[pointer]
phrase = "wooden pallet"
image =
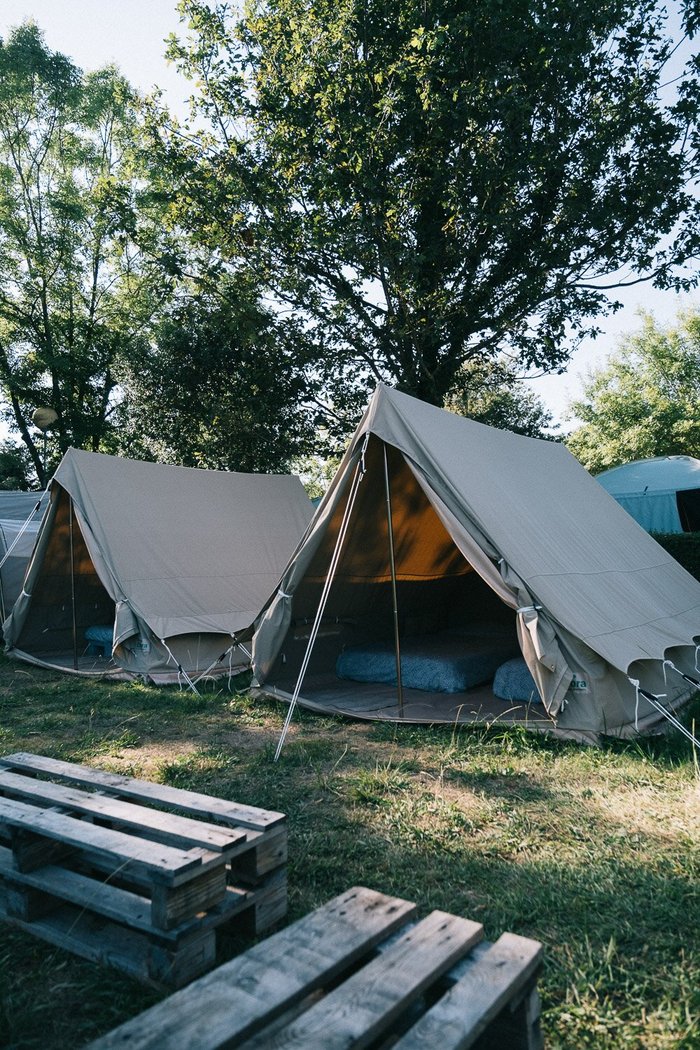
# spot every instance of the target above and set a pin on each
(358, 972)
(133, 874)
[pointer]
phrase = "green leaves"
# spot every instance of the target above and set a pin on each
(77, 282)
(433, 183)
(645, 401)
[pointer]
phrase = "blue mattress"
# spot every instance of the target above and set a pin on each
(441, 663)
(99, 639)
(513, 681)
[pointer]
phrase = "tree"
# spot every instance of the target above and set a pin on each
(15, 466)
(494, 394)
(430, 183)
(645, 401)
(223, 385)
(78, 236)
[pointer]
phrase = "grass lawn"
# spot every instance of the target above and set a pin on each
(594, 852)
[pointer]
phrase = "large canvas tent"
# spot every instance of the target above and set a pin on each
(169, 564)
(440, 537)
(20, 517)
(662, 494)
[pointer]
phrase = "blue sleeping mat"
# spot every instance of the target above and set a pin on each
(513, 681)
(440, 663)
(99, 639)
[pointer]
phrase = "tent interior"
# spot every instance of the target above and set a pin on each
(688, 502)
(68, 598)
(446, 615)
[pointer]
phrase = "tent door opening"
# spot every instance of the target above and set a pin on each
(402, 587)
(68, 599)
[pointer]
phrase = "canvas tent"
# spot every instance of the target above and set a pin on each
(20, 517)
(173, 563)
(662, 494)
(499, 544)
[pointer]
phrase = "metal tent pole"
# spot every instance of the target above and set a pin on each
(392, 562)
(347, 514)
(72, 583)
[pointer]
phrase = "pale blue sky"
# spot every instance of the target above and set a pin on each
(131, 33)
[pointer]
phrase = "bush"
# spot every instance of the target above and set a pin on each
(684, 547)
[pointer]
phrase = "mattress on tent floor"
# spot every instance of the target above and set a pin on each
(513, 681)
(448, 662)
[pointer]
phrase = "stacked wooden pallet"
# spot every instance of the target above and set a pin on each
(358, 972)
(134, 874)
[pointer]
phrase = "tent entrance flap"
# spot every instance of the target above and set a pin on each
(68, 597)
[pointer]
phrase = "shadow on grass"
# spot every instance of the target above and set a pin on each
(514, 851)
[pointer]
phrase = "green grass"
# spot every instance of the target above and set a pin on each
(595, 852)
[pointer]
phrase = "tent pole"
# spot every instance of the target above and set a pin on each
(347, 514)
(72, 583)
(392, 562)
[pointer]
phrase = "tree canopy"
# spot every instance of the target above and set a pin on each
(645, 401)
(494, 394)
(78, 228)
(222, 384)
(431, 183)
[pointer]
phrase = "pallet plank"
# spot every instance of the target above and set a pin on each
(32, 851)
(198, 805)
(170, 829)
(161, 862)
(367, 1004)
(172, 905)
(132, 909)
(469, 1006)
(268, 851)
(81, 932)
(242, 996)
(111, 901)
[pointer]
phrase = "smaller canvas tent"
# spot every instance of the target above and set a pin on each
(662, 494)
(20, 517)
(169, 564)
(460, 547)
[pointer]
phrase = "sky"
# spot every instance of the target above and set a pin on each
(132, 33)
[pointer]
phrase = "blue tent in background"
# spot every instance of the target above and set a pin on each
(662, 494)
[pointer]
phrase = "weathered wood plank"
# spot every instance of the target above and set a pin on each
(163, 827)
(237, 999)
(269, 901)
(366, 1005)
(175, 969)
(123, 906)
(159, 861)
(172, 905)
(199, 805)
(110, 901)
(111, 944)
(30, 851)
(469, 1006)
(25, 902)
(517, 1027)
(268, 851)
(83, 934)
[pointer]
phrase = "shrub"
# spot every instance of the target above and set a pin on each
(684, 547)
